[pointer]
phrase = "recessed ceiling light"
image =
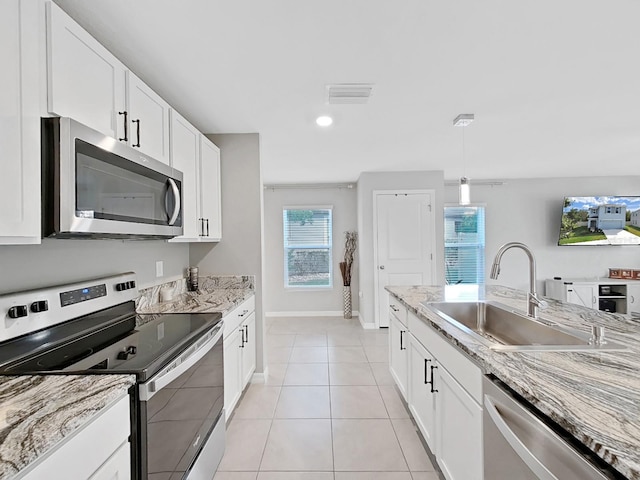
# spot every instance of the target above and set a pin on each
(324, 121)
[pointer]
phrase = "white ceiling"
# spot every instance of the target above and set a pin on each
(554, 84)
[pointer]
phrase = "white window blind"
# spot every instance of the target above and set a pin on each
(464, 244)
(307, 247)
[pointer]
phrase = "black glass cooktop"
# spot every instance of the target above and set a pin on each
(106, 341)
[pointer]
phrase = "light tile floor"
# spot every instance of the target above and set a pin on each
(328, 410)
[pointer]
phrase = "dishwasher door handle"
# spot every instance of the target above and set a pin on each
(536, 466)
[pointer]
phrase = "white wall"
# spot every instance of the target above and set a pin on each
(240, 250)
(529, 211)
(277, 297)
(58, 261)
(367, 183)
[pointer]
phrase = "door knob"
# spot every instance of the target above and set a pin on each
(381, 267)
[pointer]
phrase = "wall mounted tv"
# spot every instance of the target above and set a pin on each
(600, 221)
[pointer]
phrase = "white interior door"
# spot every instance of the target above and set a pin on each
(404, 248)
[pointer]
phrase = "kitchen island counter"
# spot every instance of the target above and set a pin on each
(41, 412)
(593, 396)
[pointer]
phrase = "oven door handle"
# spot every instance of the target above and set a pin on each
(179, 366)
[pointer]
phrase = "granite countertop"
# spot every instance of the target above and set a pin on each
(39, 411)
(594, 396)
(216, 294)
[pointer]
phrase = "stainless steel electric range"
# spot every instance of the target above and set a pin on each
(91, 327)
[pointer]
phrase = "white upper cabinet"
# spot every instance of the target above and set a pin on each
(210, 191)
(19, 123)
(148, 120)
(185, 146)
(85, 81)
(199, 160)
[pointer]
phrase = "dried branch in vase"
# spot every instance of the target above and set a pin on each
(350, 245)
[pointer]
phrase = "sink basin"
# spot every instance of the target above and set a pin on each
(501, 328)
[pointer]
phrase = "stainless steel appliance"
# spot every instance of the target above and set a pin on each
(97, 187)
(518, 444)
(178, 420)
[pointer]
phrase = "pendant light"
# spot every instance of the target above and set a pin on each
(464, 193)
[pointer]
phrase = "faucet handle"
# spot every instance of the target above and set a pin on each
(541, 304)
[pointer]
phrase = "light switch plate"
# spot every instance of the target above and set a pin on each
(159, 268)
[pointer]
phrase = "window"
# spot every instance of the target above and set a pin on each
(464, 244)
(307, 247)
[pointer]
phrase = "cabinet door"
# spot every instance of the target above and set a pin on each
(148, 117)
(421, 396)
(633, 299)
(459, 447)
(210, 189)
(85, 81)
(185, 140)
(398, 358)
(249, 349)
(582, 294)
(232, 364)
(20, 122)
(117, 467)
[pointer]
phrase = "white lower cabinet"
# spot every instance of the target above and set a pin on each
(458, 430)
(633, 298)
(239, 352)
(422, 399)
(398, 353)
(98, 451)
(445, 399)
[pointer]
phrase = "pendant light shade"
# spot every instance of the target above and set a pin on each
(464, 195)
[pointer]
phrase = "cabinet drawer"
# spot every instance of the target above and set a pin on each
(83, 454)
(462, 368)
(235, 317)
(397, 310)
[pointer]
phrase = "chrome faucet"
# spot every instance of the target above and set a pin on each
(533, 302)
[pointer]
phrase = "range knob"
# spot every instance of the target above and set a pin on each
(39, 306)
(125, 354)
(18, 311)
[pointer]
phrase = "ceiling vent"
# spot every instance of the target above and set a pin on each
(340, 93)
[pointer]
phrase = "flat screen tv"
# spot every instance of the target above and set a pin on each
(600, 221)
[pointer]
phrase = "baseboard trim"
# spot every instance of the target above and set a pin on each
(260, 377)
(326, 313)
(367, 325)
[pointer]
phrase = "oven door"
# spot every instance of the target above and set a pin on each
(179, 408)
(106, 189)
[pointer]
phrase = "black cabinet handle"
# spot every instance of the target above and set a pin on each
(402, 347)
(126, 127)
(137, 132)
(433, 390)
(207, 222)
(426, 361)
(246, 331)
(201, 227)
(242, 337)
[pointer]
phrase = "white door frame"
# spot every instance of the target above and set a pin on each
(376, 280)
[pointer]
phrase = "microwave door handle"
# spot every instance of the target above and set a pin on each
(536, 466)
(176, 201)
(149, 389)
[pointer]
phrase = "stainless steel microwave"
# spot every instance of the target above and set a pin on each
(96, 187)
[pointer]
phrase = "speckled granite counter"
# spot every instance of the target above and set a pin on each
(39, 411)
(594, 396)
(216, 294)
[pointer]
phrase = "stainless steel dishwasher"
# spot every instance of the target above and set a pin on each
(519, 445)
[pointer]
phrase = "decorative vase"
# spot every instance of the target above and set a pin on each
(346, 300)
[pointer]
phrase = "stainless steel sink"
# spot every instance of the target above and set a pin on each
(501, 328)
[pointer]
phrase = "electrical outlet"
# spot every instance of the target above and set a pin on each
(159, 268)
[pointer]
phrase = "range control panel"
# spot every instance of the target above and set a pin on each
(31, 310)
(82, 294)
